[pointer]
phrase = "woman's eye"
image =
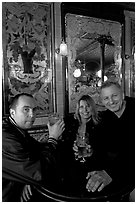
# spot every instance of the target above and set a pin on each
(105, 99)
(82, 107)
(26, 109)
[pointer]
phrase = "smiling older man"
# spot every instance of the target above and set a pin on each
(118, 139)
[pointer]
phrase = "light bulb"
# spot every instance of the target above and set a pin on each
(63, 48)
(99, 73)
(105, 78)
(77, 73)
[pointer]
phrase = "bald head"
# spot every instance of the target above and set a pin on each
(23, 110)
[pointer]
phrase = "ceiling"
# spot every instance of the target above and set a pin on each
(92, 47)
(92, 53)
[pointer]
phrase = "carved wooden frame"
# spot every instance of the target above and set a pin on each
(129, 53)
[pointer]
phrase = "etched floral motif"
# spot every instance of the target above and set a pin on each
(27, 46)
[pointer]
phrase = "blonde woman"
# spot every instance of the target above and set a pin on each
(82, 149)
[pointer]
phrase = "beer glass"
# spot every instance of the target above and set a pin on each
(82, 147)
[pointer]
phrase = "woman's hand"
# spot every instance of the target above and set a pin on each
(26, 194)
(97, 180)
(75, 147)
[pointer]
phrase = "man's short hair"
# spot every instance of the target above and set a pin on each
(14, 100)
(110, 83)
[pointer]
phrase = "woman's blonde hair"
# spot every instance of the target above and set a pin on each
(91, 103)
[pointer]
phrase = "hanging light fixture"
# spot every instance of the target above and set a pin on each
(62, 50)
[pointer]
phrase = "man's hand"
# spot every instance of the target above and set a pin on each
(56, 130)
(97, 180)
(26, 194)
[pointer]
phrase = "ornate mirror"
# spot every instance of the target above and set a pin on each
(94, 47)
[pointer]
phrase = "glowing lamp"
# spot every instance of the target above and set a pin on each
(105, 78)
(77, 73)
(99, 73)
(63, 49)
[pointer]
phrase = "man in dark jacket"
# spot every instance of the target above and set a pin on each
(118, 139)
(23, 158)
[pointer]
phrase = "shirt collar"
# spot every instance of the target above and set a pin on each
(119, 113)
(15, 124)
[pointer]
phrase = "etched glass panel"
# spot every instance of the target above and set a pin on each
(26, 52)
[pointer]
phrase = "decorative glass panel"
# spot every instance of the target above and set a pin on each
(27, 53)
(94, 46)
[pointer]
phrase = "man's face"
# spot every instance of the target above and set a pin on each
(112, 98)
(25, 112)
(85, 110)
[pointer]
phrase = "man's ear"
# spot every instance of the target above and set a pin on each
(12, 112)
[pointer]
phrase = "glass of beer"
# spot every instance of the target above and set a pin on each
(83, 147)
(53, 118)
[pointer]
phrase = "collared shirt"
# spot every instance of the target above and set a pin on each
(119, 113)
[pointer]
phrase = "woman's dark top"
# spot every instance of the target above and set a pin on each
(73, 170)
